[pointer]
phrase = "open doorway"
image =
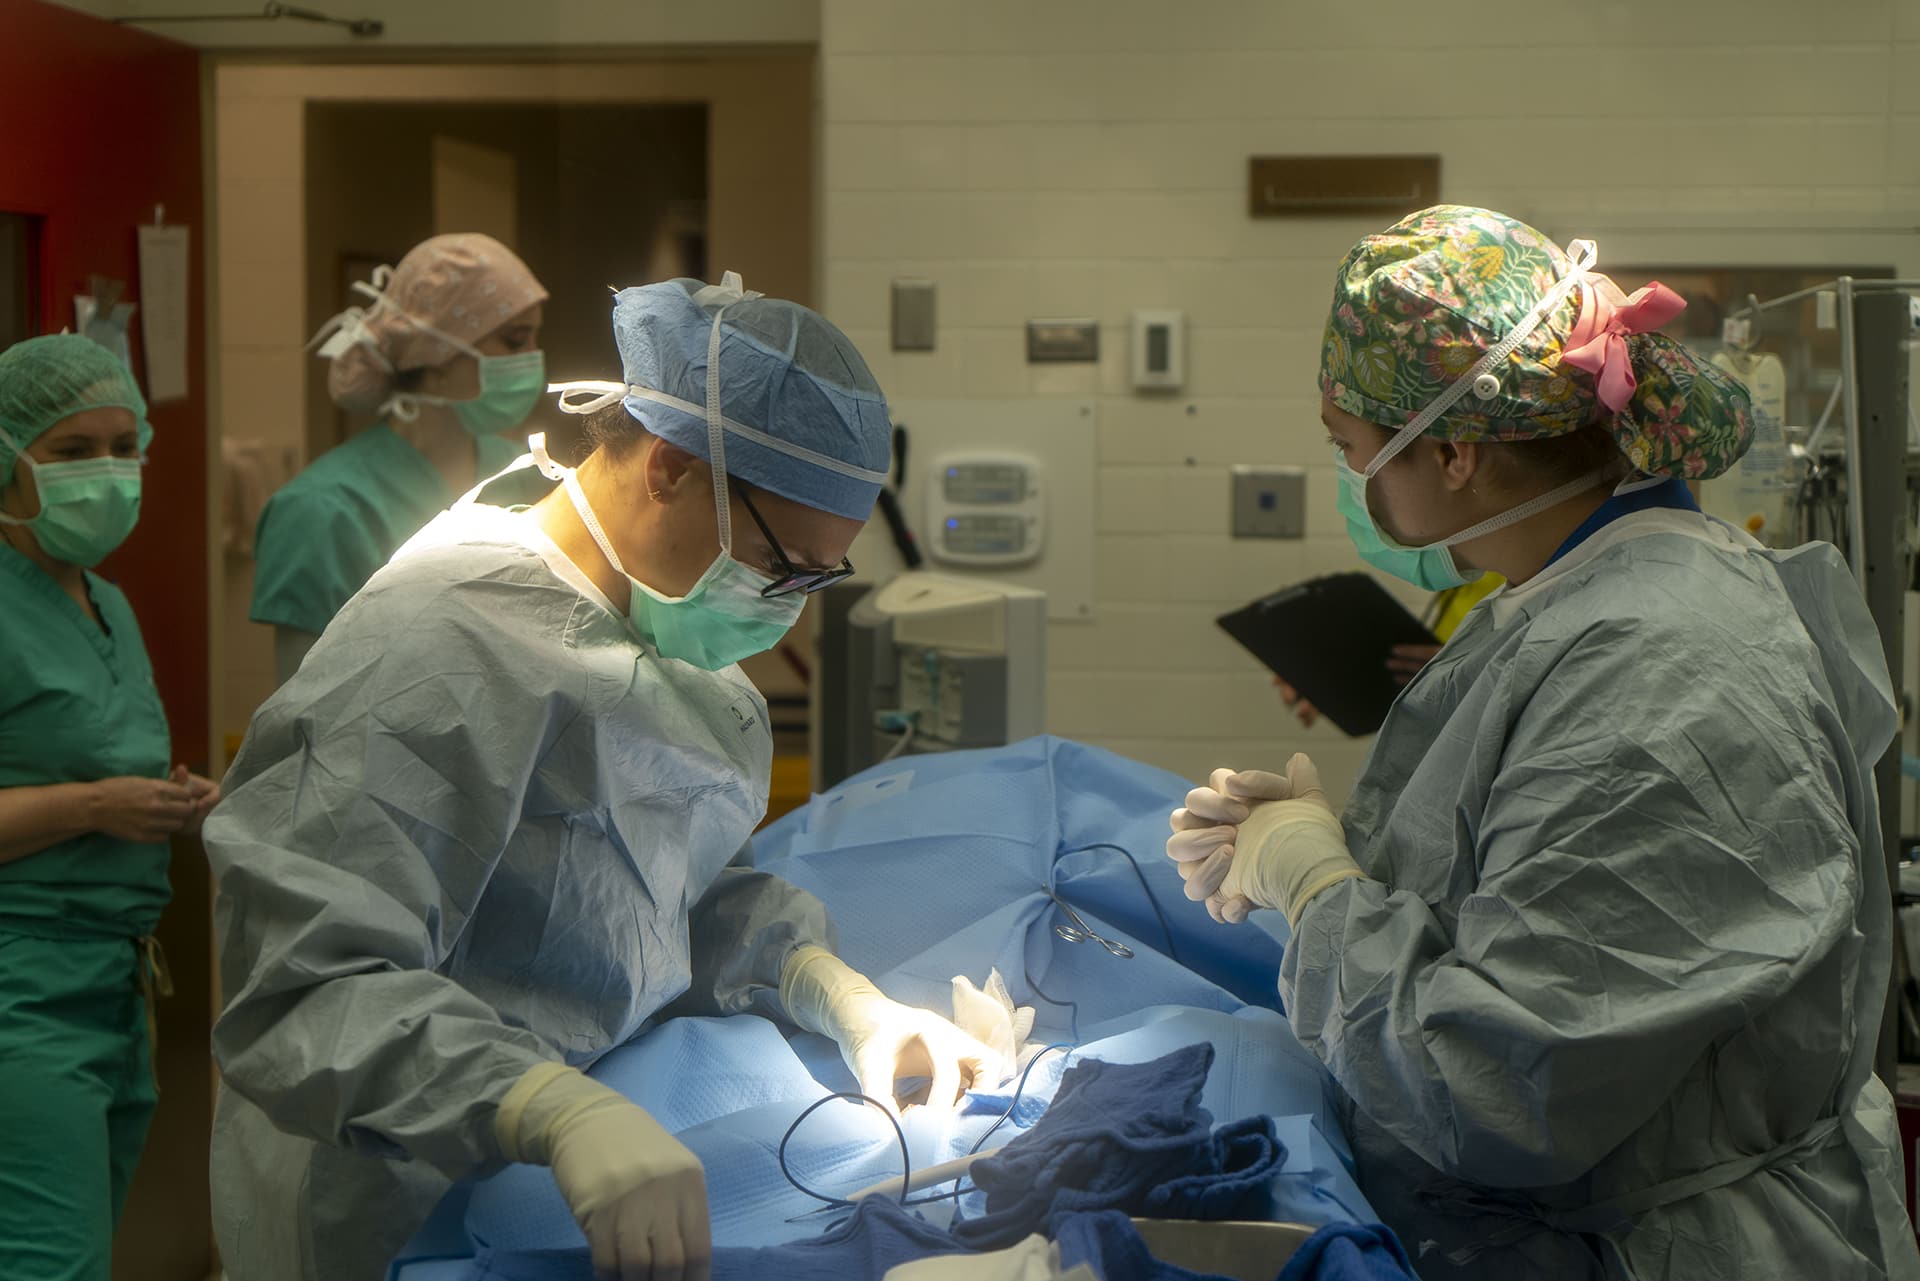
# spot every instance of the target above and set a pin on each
(590, 196)
(20, 302)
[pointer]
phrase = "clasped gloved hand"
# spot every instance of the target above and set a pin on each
(1253, 839)
(881, 1039)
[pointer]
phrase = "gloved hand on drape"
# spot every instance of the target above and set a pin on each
(881, 1039)
(637, 1192)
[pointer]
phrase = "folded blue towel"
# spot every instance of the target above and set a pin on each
(1236, 1183)
(1349, 1252)
(1115, 1132)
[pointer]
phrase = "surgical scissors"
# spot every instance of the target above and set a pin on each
(1078, 931)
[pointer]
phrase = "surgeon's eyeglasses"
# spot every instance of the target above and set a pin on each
(792, 578)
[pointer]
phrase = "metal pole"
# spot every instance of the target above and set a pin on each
(1878, 323)
(1795, 296)
(1850, 395)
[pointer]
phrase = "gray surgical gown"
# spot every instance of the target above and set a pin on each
(1608, 1007)
(483, 827)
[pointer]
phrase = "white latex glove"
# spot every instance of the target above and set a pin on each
(637, 1192)
(1287, 851)
(881, 1039)
(1204, 833)
(989, 1016)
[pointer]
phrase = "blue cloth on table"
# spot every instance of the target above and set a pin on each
(730, 1088)
(1014, 821)
(1123, 1136)
(1349, 1252)
(877, 1236)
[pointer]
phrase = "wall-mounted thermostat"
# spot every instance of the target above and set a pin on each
(985, 509)
(1159, 350)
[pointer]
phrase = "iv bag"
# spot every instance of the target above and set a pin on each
(1756, 494)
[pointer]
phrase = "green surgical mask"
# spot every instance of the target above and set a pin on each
(1429, 568)
(722, 620)
(1432, 567)
(87, 508)
(510, 386)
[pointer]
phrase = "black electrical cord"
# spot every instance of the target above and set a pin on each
(902, 533)
(891, 512)
(1071, 1007)
(851, 1096)
(1017, 1092)
(906, 1161)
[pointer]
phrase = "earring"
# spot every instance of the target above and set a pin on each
(654, 494)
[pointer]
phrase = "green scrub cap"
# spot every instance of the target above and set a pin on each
(44, 380)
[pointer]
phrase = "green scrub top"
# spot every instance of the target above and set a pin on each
(77, 704)
(335, 524)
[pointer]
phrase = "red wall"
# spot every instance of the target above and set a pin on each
(103, 123)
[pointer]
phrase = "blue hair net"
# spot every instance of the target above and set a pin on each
(802, 414)
(44, 380)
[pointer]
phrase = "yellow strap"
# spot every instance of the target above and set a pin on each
(155, 981)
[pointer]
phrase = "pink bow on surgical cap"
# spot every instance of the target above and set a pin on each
(1598, 343)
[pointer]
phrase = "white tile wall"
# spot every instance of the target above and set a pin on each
(1088, 157)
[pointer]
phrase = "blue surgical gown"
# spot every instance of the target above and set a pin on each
(1608, 1004)
(482, 828)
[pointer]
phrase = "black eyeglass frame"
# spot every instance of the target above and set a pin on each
(793, 578)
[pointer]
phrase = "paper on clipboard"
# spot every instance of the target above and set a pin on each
(163, 293)
(101, 317)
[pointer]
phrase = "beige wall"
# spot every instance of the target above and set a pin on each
(475, 188)
(1088, 157)
(759, 167)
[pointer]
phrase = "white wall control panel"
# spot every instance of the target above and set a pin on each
(986, 509)
(1016, 458)
(1159, 350)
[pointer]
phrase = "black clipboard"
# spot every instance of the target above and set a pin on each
(1330, 638)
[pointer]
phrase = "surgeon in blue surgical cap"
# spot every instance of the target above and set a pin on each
(496, 824)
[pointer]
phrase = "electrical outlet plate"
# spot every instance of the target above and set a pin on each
(914, 328)
(1268, 502)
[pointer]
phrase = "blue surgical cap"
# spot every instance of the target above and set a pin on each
(802, 414)
(44, 380)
